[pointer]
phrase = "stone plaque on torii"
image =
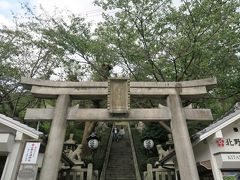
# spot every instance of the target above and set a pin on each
(118, 92)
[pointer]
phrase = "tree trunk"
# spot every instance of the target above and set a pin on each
(89, 126)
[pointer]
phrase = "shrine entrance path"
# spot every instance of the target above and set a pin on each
(120, 164)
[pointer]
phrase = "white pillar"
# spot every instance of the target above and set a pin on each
(217, 174)
(14, 158)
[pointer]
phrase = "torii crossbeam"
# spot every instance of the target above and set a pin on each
(118, 92)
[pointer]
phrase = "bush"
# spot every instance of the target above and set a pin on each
(99, 154)
(143, 156)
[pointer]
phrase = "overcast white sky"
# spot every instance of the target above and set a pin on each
(84, 7)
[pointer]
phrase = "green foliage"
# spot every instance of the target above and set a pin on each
(229, 178)
(134, 35)
(77, 129)
(143, 156)
(99, 155)
(45, 127)
(150, 40)
(156, 131)
(155, 41)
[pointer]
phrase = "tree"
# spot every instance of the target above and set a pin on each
(150, 40)
(52, 47)
(135, 35)
(156, 42)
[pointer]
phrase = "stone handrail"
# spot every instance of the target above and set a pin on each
(157, 173)
(103, 173)
(79, 173)
(138, 176)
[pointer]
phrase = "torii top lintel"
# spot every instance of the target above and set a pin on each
(96, 90)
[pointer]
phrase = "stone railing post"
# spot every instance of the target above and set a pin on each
(149, 172)
(89, 171)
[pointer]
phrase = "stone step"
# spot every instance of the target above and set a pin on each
(120, 178)
(115, 171)
(120, 164)
(119, 174)
(127, 167)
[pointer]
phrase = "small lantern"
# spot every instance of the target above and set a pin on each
(70, 144)
(148, 143)
(93, 141)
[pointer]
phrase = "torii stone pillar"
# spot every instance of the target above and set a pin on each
(185, 157)
(56, 137)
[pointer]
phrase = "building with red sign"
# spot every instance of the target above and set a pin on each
(216, 148)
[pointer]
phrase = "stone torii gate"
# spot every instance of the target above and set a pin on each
(118, 92)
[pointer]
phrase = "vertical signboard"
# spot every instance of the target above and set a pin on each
(118, 95)
(28, 168)
(30, 153)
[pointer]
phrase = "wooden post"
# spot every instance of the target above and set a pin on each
(74, 176)
(145, 175)
(158, 174)
(89, 171)
(56, 137)
(95, 175)
(81, 175)
(169, 174)
(149, 172)
(163, 175)
(182, 143)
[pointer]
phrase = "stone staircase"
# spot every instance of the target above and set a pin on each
(120, 164)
